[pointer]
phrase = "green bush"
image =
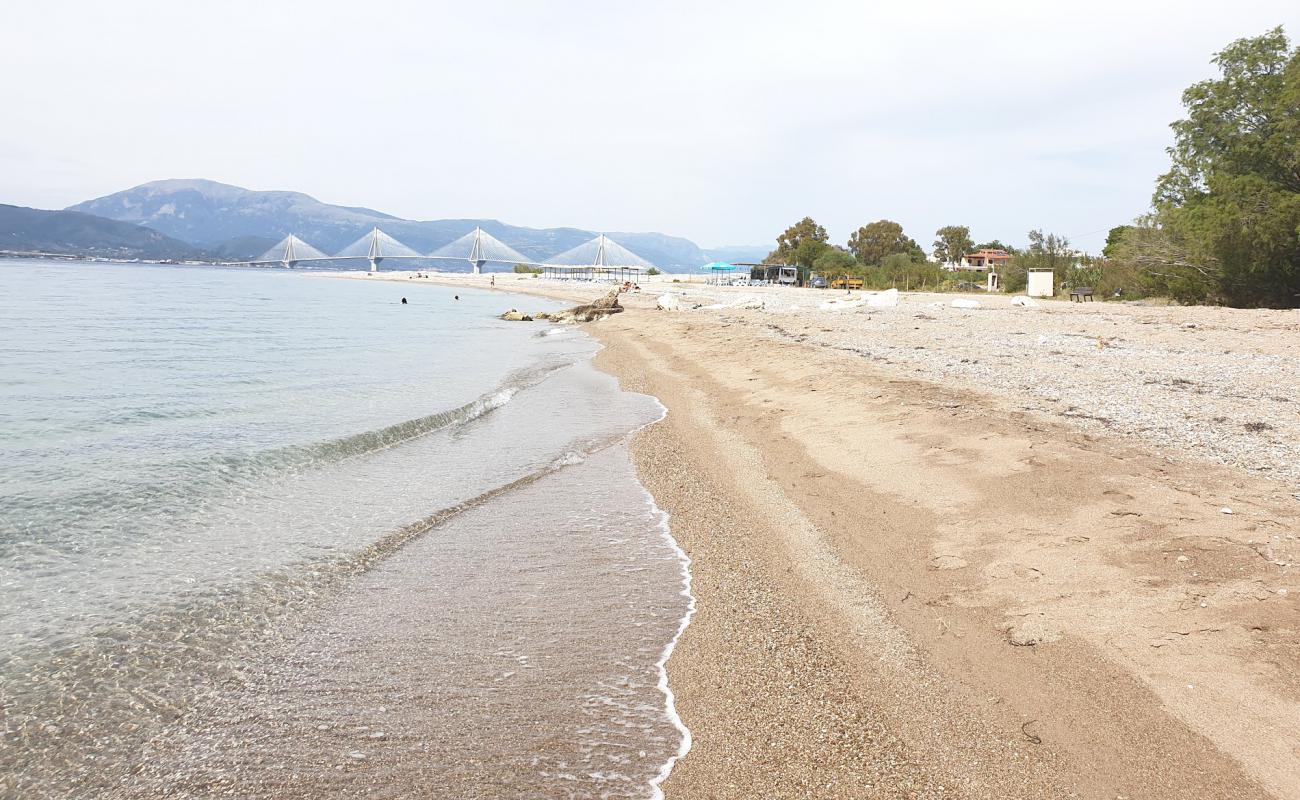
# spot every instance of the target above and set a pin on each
(1083, 275)
(1117, 276)
(1015, 277)
(905, 271)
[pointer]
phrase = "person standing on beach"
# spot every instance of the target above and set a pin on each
(403, 301)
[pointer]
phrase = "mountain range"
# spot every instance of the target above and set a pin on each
(72, 232)
(233, 223)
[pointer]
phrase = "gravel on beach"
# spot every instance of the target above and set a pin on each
(1221, 384)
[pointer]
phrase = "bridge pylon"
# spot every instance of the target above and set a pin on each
(289, 251)
(601, 252)
(478, 247)
(374, 256)
(374, 247)
(289, 262)
(476, 256)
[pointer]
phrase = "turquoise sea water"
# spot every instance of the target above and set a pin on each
(205, 472)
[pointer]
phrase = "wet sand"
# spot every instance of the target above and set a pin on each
(908, 589)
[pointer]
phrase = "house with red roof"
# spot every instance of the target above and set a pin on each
(985, 259)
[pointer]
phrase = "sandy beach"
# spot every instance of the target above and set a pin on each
(993, 552)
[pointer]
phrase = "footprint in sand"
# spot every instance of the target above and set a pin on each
(1030, 629)
(1012, 569)
(948, 562)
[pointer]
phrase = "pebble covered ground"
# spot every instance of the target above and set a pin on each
(1222, 384)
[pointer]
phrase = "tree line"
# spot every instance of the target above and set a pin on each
(883, 256)
(1224, 226)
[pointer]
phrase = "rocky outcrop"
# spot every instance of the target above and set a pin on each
(589, 312)
(592, 311)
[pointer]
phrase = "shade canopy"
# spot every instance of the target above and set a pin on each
(719, 266)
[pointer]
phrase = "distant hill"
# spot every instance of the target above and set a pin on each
(242, 248)
(33, 229)
(233, 221)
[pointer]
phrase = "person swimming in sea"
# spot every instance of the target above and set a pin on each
(403, 301)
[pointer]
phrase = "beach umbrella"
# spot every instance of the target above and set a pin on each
(718, 267)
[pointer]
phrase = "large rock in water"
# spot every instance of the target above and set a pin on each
(591, 311)
(585, 313)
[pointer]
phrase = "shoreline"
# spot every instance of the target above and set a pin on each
(913, 587)
(684, 747)
(227, 753)
(930, 729)
(1176, 378)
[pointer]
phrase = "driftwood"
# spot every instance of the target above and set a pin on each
(588, 312)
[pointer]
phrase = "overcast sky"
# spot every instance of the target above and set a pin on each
(723, 122)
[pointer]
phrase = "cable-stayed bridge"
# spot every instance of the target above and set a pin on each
(600, 258)
(478, 248)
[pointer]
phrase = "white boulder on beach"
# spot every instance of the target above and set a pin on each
(669, 302)
(885, 299)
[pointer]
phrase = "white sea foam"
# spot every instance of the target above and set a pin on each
(662, 664)
(495, 400)
(656, 783)
(570, 458)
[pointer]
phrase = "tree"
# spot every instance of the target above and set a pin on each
(873, 242)
(996, 245)
(905, 271)
(952, 242)
(1244, 123)
(835, 261)
(1227, 213)
(1162, 261)
(787, 244)
(1045, 251)
(1049, 251)
(1113, 240)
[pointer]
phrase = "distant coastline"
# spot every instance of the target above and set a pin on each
(202, 220)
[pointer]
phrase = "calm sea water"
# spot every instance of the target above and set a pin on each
(280, 535)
